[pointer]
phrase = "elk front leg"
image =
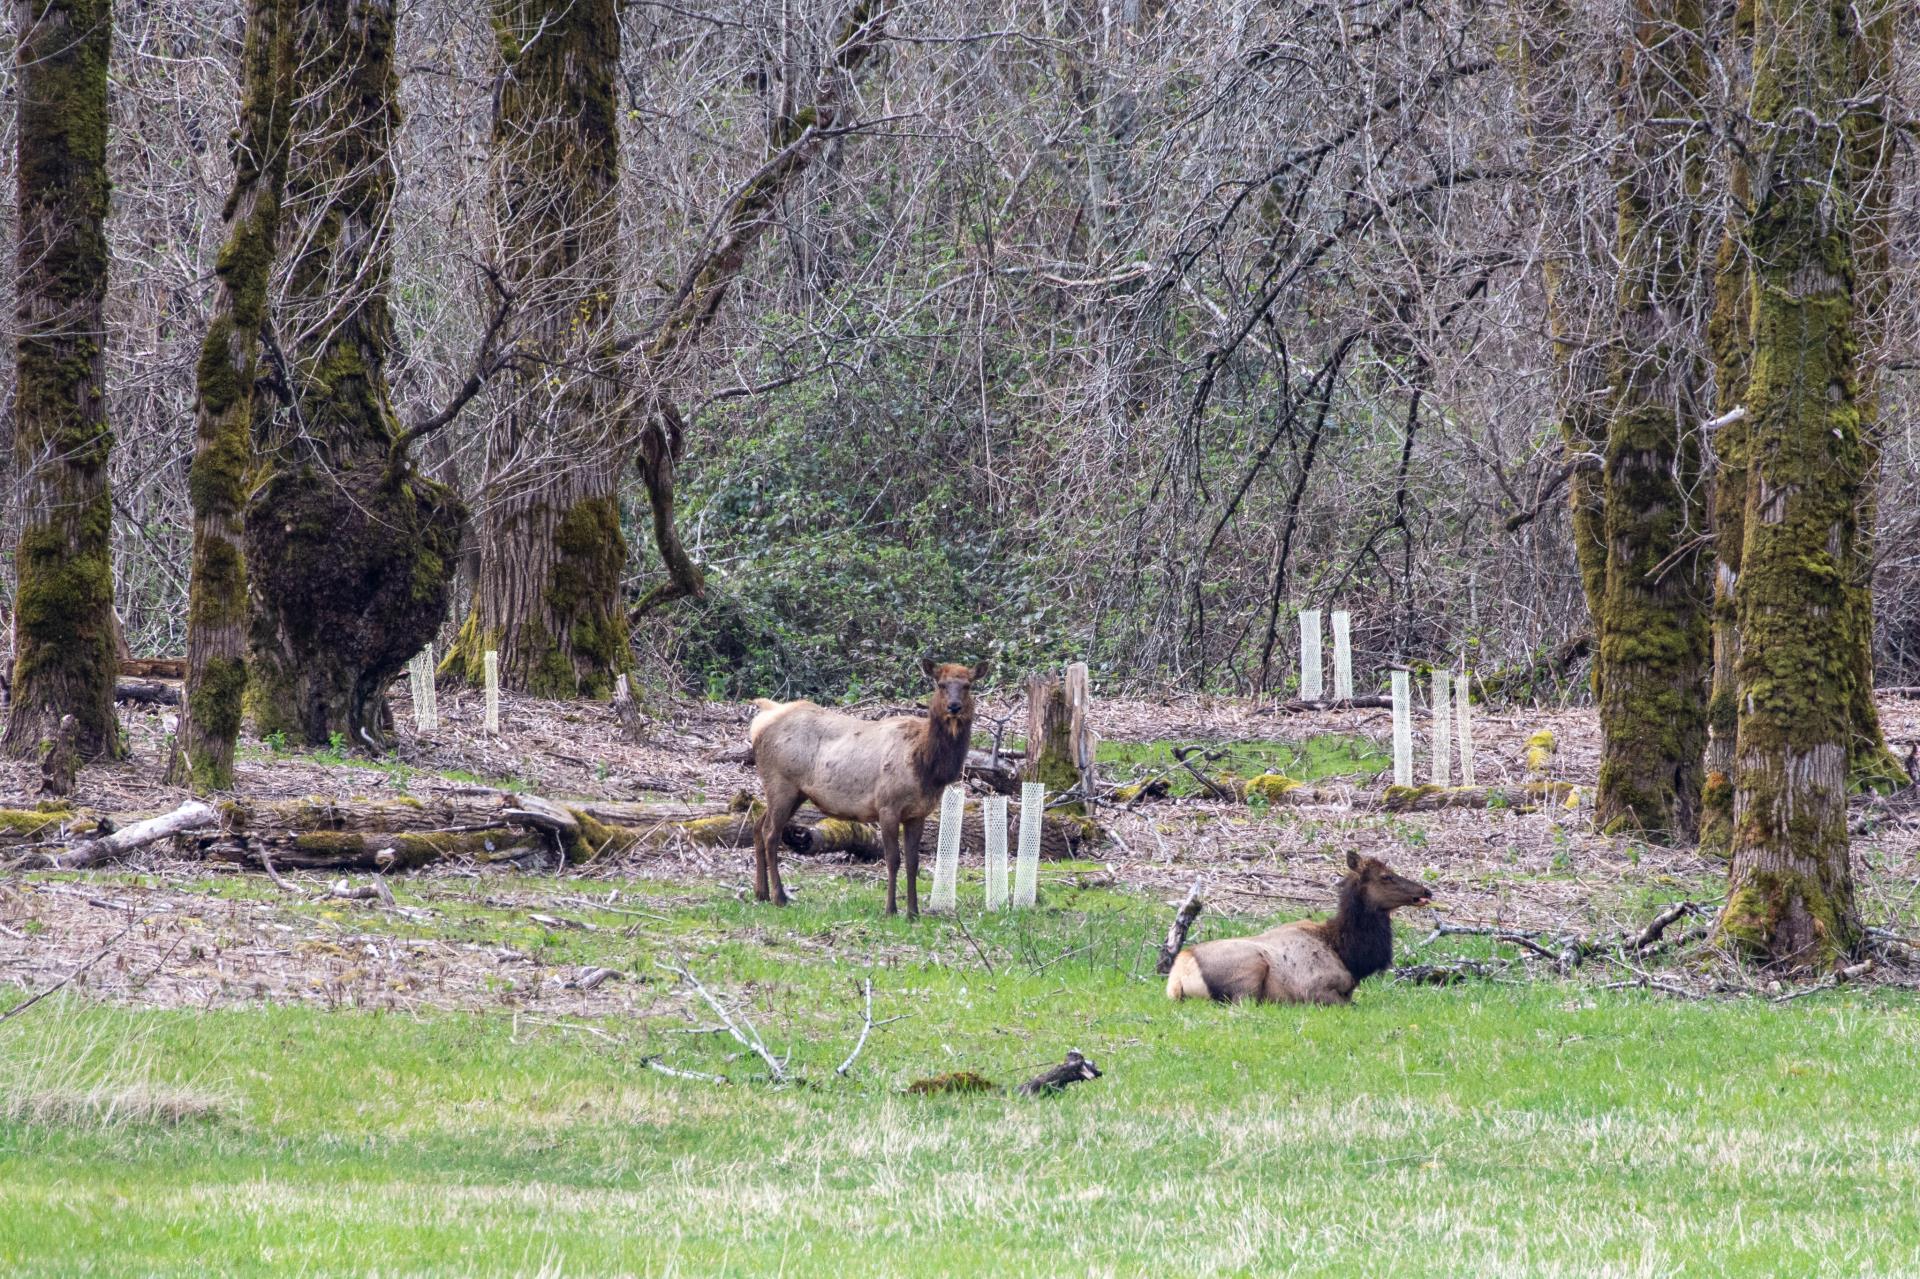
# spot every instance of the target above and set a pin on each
(910, 842)
(890, 842)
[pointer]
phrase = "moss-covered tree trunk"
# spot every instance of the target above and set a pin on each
(65, 661)
(1653, 633)
(1870, 764)
(1558, 134)
(350, 552)
(1730, 337)
(551, 552)
(1790, 899)
(223, 413)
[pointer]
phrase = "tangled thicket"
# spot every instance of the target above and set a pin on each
(1120, 331)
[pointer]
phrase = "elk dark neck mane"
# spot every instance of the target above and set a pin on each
(942, 750)
(1361, 935)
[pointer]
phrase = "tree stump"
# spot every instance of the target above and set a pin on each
(1059, 739)
(61, 764)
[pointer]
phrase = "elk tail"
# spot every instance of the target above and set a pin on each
(763, 716)
(1184, 980)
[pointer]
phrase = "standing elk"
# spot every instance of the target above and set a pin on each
(888, 771)
(1306, 961)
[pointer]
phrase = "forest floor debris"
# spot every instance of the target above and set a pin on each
(472, 936)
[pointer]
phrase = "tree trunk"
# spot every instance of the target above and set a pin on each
(228, 372)
(1790, 899)
(547, 595)
(1730, 335)
(350, 552)
(65, 660)
(1870, 764)
(1653, 635)
(1558, 131)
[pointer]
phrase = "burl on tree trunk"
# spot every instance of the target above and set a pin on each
(351, 551)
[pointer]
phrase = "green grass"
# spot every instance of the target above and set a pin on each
(1327, 755)
(1551, 1129)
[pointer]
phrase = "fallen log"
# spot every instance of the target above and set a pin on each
(330, 833)
(1372, 702)
(154, 667)
(190, 816)
(1431, 798)
(146, 693)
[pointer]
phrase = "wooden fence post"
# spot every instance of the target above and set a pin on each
(491, 661)
(1310, 685)
(1402, 729)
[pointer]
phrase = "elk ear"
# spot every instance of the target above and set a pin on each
(982, 667)
(927, 667)
(1353, 860)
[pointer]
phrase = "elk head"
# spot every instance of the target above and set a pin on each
(1380, 888)
(952, 687)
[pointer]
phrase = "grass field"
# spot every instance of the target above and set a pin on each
(1539, 1129)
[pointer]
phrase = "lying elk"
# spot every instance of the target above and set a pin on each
(888, 771)
(1305, 962)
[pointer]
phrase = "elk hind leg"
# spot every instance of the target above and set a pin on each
(782, 803)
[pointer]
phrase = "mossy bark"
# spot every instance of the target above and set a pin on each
(227, 374)
(65, 660)
(1790, 899)
(1870, 764)
(1653, 634)
(1050, 746)
(551, 550)
(350, 553)
(1730, 337)
(1559, 127)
